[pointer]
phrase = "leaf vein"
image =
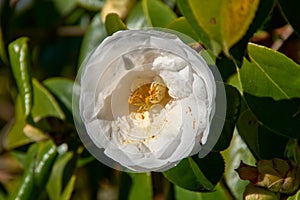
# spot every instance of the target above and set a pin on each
(270, 78)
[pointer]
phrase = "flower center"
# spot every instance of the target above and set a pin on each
(148, 95)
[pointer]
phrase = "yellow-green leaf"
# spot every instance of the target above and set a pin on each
(20, 63)
(141, 186)
(150, 13)
(224, 22)
(55, 184)
(44, 103)
(113, 23)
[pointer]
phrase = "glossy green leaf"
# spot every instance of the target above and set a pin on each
(94, 35)
(44, 103)
(188, 175)
(274, 95)
(26, 188)
(153, 10)
(248, 129)
(219, 193)
(235, 82)
(181, 25)
(295, 196)
(290, 9)
(264, 143)
(136, 18)
(275, 75)
(62, 89)
(44, 159)
(233, 155)
(113, 23)
(264, 9)
(141, 187)
(148, 13)
(55, 184)
(185, 9)
(40, 158)
(226, 67)
(220, 24)
(20, 63)
(17, 135)
(93, 5)
(232, 111)
(212, 166)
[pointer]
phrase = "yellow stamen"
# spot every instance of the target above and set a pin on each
(147, 95)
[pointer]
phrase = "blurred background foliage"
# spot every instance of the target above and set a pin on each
(44, 42)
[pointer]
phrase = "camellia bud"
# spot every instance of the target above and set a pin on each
(276, 175)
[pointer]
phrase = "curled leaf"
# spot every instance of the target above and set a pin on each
(20, 64)
(276, 175)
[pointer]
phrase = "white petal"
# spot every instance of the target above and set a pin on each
(120, 65)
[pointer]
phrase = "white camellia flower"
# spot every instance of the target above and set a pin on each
(146, 101)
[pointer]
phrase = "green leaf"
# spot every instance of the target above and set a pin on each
(157, 13)
(62, 89)
(113, 23)
(2, 195)
(212, 166)
(274, 95)
(181, 25)
(93, 5)
(233, 155)
(148, 13)
(275, 75)
(44, 103)
(94, 35)
(295, 196)
(292, 151)
(26, 187)
(226, 67)
(44, 159)
(136, 18)
(66, 195)
(219, 193)
(20, 63)
(235, 82)
(55, 184)
(220, 24)
(18, 135)
(188, 175)
(232, 112)
(64, 7)
(290, 9)
(40, 157)
(264, 143)
(264, 9)
(141, 187)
